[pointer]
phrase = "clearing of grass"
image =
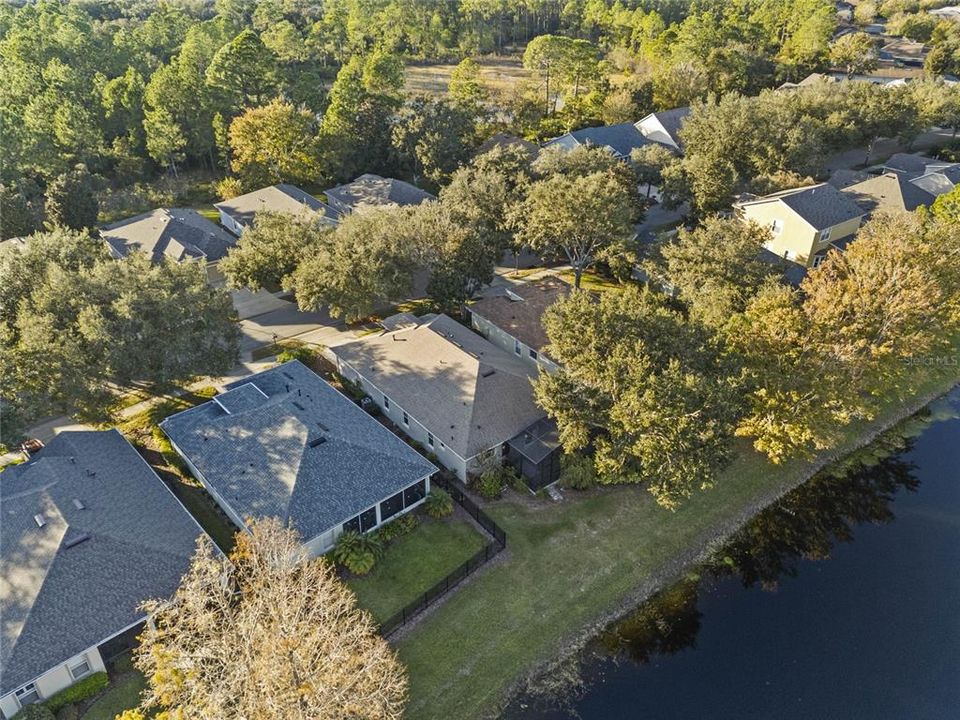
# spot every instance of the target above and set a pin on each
(122, 694)
(592, 281)
(576, 565)
(497, 73)
(414, 563)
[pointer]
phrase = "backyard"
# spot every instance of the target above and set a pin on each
(413, 563)
(571, 566)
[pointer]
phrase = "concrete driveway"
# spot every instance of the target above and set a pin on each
(281, 324)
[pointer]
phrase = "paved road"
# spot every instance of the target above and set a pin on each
(885, 148)
(283, 323)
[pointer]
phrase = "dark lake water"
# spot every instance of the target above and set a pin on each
(842, 601)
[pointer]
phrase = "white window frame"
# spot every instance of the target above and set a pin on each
(516, 347)
(776, 226)
(406, 419)
(430, 439)
(386, 402)
(825, 234)
(77, 663)
(22, 691)
(818, 259)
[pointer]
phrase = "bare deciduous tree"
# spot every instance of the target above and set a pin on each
(267, 634)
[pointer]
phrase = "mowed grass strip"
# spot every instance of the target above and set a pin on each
(414, 563)
(568, 565)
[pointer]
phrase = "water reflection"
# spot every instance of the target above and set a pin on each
(804, 525)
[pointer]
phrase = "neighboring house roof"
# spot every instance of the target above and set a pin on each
(373, 190)
(670, 121)
(811, 79)
(113, 536)
(518, 309)
(940, 181)
(284, 443)
(177, 234)
(276, 198)
(506, 140)
(468, 393)
(908, 163)
(793, 273)
(620, 139)
(844, 178)
(890, 191)
(821, 206)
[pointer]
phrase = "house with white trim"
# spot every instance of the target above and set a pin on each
(286, 444)
(88, 533)
(177, 234)
(664, 127)
(237, 214)
(446, 387)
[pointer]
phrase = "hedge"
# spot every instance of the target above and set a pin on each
(89, 686)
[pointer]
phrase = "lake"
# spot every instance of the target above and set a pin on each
(841, 601)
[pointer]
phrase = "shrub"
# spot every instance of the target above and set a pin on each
(303, 353)
(491, 482)
(401, 526)
(68, 712)
(229, 188)
(438, 503)
(357, 552)
(88, 687)
(577, 472)
(36, 712)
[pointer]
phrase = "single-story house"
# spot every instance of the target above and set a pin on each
(664, 127)
(938, 180)
(812, 79)
(371, 190)
(804, 222)
(446, 387)
(512, 318)
(620, 139)
(890, 192)
(237, 214)
(177, 234)
(89, 532)
(904, 51)
(912, 164)
(284, 443)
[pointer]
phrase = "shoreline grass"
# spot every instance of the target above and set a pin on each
(572, 565)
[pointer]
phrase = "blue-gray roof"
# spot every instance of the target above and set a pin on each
(621, 138)
(284, 443)
(113, 536)
(822, 205)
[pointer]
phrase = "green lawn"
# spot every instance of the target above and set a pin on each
(592, 281)
(122, 694)
(413, 563)
(568, 565)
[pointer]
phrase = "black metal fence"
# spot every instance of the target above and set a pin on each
(489, 551)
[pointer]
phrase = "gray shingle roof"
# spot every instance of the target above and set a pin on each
(820, 205)
(284, 443)
(175, 233)
(908, 163)
(938, 182)
(373, 190)
(620, 138)
(518, 310)
(890, 191)
(276, 198)
(463, 389)
(672, 121)
(80, 578)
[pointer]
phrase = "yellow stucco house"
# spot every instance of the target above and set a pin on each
(805, 222)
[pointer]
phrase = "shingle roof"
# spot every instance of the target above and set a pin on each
(284, 443)
(908, 163)
(175, 233)
(890, 191)
(822, 205)
(506, 140)
(81, 577)
(620, 138)
(464, 390)
(938, 182)
(276, 198)
(518, 310)
(671, 121)
(373, 190)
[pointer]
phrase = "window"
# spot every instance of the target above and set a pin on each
(27, 695)
(406, 419)
(386, 402)
(81, 669)
(368, 519)
(414, 494)
(353, 524)
(442, 446)
(776, 227)
(429, 439)
(819, 258)
(533, 354)
(825, 234)
(391, 506)
(516, 346)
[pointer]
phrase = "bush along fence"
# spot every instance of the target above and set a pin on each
(458, 492)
